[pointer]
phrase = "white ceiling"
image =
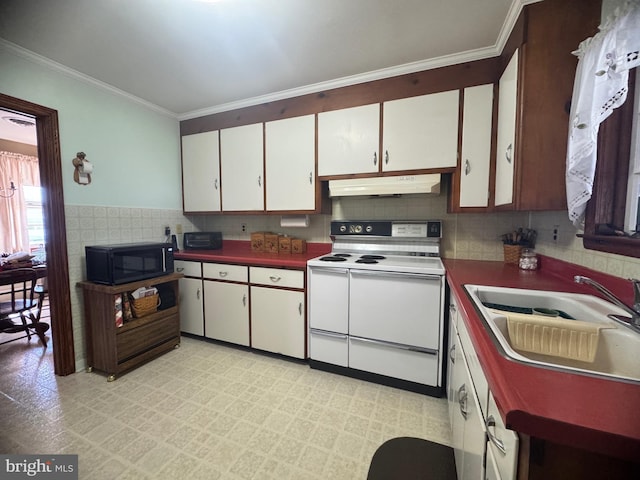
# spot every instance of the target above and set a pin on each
(192, 57)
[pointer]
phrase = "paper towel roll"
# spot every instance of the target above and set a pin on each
(86, 167)
(294, 221)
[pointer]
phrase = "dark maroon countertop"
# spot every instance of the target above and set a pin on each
(239, 252)
(586, 412)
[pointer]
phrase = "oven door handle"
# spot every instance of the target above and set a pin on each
(375, 273)
(400, 346)
(326, 333)
(342, 271)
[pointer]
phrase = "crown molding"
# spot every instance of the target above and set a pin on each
(446, 60)
(58, 67)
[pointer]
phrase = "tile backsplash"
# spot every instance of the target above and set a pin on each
(465, 236)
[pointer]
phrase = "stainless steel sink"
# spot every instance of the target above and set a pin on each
(618, 350)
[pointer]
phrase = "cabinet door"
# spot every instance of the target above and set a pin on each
(348, 140)
(506, 147)
(476, 146)
(201, 172)
(277, 321)
(421, 132)
(191, 302)
(290, 161)
(226, 307)
(241, 160)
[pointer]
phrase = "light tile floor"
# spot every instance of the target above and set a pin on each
(206, 411)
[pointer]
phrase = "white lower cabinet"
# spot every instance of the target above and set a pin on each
(191, 297)
(277, 321)
(278, 311)
(483, 447)
(226, 304)
(227, 312)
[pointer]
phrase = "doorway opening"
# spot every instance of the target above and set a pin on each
(48, 148)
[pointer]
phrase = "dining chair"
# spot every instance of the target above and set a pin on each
(18, 300)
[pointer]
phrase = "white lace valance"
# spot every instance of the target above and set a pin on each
(600, 86)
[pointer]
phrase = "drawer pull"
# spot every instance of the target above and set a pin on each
(198, 294)
(300, 308)
(375, 159)
(223, 274)
(467, 167)
(180, 269)
(452, 354)
(386, 157)
(491, 422)
(462, 400)
(509, 153)
(244, 300)
(275, 279)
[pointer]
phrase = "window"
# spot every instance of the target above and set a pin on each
(35, 221)
(632, 216)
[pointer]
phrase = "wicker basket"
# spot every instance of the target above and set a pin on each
(512, 253)
(145, 305)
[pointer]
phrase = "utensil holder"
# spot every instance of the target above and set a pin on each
(512, 253)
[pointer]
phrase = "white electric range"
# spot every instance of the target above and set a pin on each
(376, 303)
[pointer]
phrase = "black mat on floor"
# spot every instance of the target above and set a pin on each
(407, 458)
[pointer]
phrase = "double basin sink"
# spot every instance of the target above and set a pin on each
(615, 347)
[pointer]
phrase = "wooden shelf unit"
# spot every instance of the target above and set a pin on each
(113, 349)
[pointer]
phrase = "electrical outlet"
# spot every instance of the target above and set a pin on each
(179, 229)
(244, 227)
(167, 231)
(556, 233)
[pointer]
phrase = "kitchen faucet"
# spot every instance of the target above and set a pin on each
(634, 311)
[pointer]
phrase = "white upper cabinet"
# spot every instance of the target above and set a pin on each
(242, 167)
(475, 161)
(505, 151)
(290, 164)
(201, 172)
(420, 132)
(348, 140)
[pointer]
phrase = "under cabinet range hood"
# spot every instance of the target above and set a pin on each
(396, 185)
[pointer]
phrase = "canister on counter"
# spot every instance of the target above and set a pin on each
(271, 242)
(298, 245)
(284, 244)
(257, 241)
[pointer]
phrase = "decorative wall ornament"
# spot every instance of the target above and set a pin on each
(83, 169)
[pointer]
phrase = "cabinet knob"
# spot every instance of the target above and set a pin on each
(509, 153)
(467, 167)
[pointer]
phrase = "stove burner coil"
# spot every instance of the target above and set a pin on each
(366, 260)
(333, 259)
(372, 257)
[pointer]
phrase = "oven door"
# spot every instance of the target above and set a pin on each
(400, 308)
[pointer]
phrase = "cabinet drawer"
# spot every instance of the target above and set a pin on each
(277, 277)
(477, 374)
(189, 269)
(505, 455)
(221, 271)
(138, 340)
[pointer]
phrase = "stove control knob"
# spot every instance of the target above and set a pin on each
(358, 229)
(369, 229)
(343, 228)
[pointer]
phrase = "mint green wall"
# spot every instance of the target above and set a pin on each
(135, 150)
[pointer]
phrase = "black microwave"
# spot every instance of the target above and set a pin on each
(128, 262)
